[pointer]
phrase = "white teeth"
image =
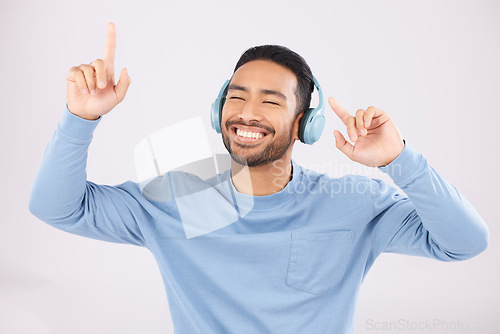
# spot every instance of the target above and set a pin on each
(248, 134)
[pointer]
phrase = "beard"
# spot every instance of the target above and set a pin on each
(272, 152)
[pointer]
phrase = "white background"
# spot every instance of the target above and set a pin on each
(433, 66)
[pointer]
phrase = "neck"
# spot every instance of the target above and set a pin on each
(262, 180)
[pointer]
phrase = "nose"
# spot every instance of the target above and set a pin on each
(250, 112)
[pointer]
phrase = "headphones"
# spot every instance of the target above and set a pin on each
(311, 125)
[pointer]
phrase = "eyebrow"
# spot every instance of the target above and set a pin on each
(263, 91)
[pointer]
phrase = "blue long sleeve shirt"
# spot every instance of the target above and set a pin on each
(289, 262)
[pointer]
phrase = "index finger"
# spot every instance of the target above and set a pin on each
(109, 50)
(339, 110)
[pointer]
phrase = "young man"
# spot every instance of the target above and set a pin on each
(279, 248)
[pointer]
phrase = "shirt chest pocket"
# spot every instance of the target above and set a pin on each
(318, 260)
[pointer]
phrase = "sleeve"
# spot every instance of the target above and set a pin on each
(432, 220)
(61, 196)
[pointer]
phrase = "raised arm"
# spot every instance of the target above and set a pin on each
(60, 194)
(434, 219)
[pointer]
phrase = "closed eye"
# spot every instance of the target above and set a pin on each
(239, 98)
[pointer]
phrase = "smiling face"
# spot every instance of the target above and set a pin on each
(258, 118)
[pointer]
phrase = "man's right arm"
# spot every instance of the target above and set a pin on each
(62, 197)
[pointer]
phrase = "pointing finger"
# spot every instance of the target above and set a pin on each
(337, 108)
(109, 50)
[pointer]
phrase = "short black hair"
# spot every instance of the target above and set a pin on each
(284, 56)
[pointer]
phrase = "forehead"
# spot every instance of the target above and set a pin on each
(265, 74)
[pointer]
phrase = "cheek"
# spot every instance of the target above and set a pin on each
(284, 126)
(228, 112)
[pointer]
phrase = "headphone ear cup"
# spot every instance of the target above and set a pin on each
(311, 126)
(317, 127)
(216, 110)
(216, 114)
(303, 123)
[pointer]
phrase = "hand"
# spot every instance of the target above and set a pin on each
(377, 141)
(86, 97)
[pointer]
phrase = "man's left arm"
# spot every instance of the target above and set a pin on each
(434, 219)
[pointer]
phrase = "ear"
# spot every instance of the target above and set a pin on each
(295, 131)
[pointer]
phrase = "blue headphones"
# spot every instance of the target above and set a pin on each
(311, 124)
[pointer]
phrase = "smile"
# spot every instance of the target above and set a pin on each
(248, 134)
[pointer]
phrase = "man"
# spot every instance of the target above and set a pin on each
(299, 243)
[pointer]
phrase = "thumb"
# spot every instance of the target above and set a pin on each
(343, 145)
(122, 85)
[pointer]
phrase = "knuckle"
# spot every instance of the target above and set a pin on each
(96, 64)
(88, 79)
(99, 67)
(359, 118)
(72, 73)
(371, 110)
(359, 115)
(80, 82)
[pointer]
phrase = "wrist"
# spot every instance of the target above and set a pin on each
(85, 117)
(77, 127)
(403, 144)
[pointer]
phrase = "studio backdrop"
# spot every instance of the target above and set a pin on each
(431, 65)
